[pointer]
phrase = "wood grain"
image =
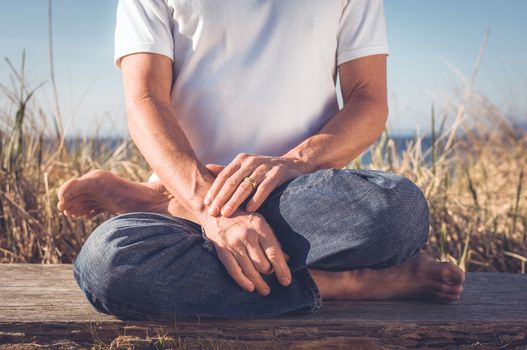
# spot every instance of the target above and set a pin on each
(41, 304)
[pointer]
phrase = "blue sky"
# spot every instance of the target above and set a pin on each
(423, 35)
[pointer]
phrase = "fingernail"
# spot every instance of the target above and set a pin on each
(226, 210)
(266, 291)
(285, 281)
(208, 200)
(213, 211)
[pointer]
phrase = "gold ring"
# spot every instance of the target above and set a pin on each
(251, 181)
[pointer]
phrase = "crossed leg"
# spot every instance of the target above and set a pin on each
(419, 276)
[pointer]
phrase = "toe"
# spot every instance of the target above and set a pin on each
(448, 289)
(447, 298)
(445, 272)
(80, 185)
(452, 274)
(93, 213)
(82, 208)
(81, 199)
(66, 189)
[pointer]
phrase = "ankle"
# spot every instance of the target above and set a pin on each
(331, 285)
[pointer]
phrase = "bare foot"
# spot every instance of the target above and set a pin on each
(102, 191)
(420, 277)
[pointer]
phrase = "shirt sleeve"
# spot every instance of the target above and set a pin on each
(143, 26)
(362, 30)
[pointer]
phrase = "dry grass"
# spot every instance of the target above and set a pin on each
(474, 179)
(32, 167)
(473, 176)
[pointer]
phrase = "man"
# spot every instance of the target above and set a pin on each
(233, 105)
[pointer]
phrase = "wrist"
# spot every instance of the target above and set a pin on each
(303, 163)
(199, 210)
(207, 219)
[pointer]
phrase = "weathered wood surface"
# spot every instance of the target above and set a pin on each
(41, 304)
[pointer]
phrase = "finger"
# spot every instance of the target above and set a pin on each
(259, 259)
(230, 186)
(243, 191)
(276, 257)
(217, 185)
(249, 270)
(263, 191)
(233, 268)
(215, 169)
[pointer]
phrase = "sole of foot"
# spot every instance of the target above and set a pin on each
(102, 191)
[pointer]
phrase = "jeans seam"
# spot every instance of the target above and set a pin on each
(315, 292)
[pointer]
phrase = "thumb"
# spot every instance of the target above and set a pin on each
(215, 169)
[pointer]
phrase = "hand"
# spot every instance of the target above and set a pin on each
(247, 247)
(229, 189)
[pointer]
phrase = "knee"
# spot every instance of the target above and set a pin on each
(94, 266)
(393, 204)
(398, 224)
(121, 266)
(120, 243)
(104, 267)
(410, 206)
(409, 213)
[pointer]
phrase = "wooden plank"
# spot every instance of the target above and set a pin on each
(43, 305)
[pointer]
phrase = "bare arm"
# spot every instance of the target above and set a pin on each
(245, 243)
(340, 140)
(359, 123)
(152, 124)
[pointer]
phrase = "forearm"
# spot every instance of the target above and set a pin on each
(345, 136)
(167, 150)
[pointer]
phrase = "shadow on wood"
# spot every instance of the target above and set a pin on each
(41, 304)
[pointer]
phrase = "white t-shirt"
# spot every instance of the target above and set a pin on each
(253, 76)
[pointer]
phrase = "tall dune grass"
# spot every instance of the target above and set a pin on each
(474, 177)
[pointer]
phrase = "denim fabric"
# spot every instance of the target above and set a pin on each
(153, 266)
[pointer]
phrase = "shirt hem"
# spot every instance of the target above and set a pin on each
(141, 48)
(351, 55)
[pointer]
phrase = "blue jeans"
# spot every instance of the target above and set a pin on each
(150, 266)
